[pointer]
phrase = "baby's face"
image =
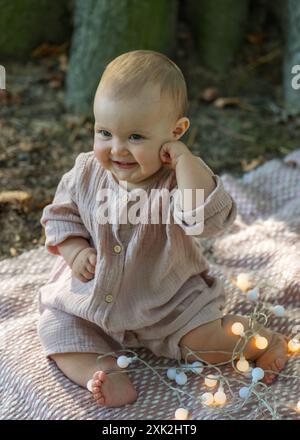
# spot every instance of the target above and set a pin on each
(132, 131)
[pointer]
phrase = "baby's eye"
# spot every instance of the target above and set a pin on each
(139, 137)
(103, 133)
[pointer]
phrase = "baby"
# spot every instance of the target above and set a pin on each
(122, 284)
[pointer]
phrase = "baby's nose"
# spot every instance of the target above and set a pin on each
(120, 150)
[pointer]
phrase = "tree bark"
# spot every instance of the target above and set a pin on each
(25, 24)
(218, 27)
(291, 56)
(104, 29)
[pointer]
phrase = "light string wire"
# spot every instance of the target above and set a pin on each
(258, 392)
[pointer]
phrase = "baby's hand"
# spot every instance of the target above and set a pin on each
(83, 266)
(171, 151)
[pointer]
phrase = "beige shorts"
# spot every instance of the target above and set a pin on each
(60, 332)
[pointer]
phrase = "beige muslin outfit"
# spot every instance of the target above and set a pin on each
(151, 283)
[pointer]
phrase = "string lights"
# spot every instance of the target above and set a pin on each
(218, 393)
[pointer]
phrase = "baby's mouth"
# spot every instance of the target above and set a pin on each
(125, 164)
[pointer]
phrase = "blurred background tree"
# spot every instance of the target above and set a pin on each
(291, 24)
(104, 29)
(219, 28)
(25, 24)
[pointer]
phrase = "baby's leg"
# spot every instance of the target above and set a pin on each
(217, 336)
(109, 389)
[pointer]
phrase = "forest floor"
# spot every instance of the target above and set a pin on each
(237, 123)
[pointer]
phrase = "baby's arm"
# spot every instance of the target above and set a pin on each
(219, 209)
(61, 219)
(70, 248)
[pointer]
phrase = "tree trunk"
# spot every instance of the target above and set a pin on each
(25, 24)
(218, 27)
(104, 29)
(292, 56)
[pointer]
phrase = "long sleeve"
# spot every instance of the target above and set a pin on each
(61, 218)
(216, 214)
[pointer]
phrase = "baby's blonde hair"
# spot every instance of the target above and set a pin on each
(125, 75)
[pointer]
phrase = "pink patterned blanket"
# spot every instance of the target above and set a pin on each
(263, 242)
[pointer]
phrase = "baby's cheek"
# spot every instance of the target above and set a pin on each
(101, 154)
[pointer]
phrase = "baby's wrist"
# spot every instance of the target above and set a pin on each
(72, 247)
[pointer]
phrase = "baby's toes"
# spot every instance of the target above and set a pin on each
(276, 366)
(97, 377)
(280, 363)
(98, 396)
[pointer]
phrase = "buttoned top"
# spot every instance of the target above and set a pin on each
(140, 266)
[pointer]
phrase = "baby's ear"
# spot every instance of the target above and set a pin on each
(182, 125)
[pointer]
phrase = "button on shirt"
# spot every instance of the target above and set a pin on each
(109, 298)
(117, 249)
(139, 267)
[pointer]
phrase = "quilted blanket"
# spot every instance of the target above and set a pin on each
(263, 242)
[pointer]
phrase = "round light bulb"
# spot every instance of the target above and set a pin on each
(243, 282)
(257, 374)
(123, 361)
(298, 406)
(210, 381)
(220, 397)
(244, 392)
(89, 385)
(261, 342)
(197, 367)
(253, 294)
(171, 373)
(294, 345)
(181, 414)
(207, 399)
(242, 365)
(237, 328)
(181, 378)
(279, 310)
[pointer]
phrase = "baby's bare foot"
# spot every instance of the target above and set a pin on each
(113, 390)
(274, 358)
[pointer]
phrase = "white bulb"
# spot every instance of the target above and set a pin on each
(210, 381)
(220, 397)
(298, 406)
(181, 414)
(242, 365)
(294, 345)
(237, 328)
(123, 361)
(243, 282)
(181, 378)
(257, 374)
(171, 373)
(89, 385)
(207, 398)
(253, 294)
(279, 310)
(261, 342)
(244, 393)
(197, 367)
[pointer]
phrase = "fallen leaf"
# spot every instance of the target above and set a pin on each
(19, 199)
(209, 94)
(256, 38)
(225, 102)
(248, 166)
